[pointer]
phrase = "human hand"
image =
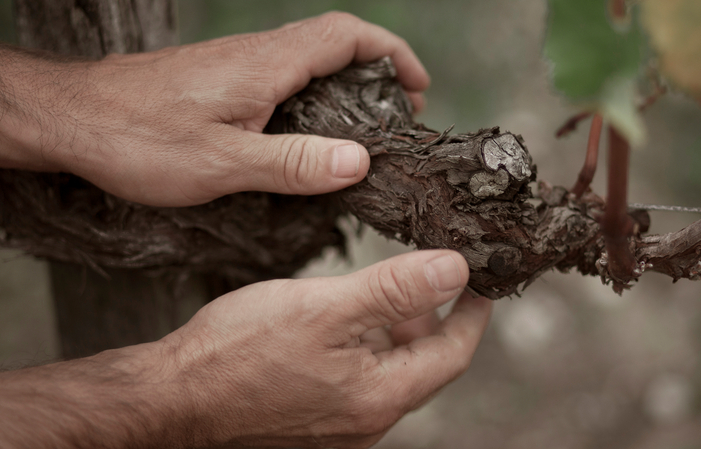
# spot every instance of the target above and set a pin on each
(281, 363)
(182, 126)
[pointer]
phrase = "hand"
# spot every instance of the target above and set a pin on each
(281, 363)
(182, 126)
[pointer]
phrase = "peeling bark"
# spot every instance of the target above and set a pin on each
(469, 192)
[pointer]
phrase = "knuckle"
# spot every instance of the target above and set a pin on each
(250, 46)
(395, 291)
(307, 300)
(334, 24)
(299, 164)
(336, 18)
(221, 165)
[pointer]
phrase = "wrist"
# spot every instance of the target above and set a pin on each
(141, 397)
(199, 417)
(151, 393)
(116, 399)
(39, 129)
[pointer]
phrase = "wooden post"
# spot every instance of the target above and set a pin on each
(95, 28)
(131, 306)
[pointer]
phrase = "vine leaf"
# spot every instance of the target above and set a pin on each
(674, 27)
(595, 61)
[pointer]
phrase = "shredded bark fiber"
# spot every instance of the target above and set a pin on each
(468, 192)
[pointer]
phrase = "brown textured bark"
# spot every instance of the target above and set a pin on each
(468, 192)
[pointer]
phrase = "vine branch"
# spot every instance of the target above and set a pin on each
(468, 192)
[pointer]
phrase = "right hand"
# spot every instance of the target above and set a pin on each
(281, 363)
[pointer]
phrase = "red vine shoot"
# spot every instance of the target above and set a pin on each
(588, 170)
(617, 226)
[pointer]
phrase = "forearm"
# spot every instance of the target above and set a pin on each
(116, 399)
(39, 97)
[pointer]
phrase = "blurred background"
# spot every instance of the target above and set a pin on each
(569, 364)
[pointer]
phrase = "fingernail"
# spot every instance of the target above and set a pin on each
(443, 274)
(346, 161)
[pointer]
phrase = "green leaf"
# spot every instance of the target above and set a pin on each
(617, 105)
(595, 64)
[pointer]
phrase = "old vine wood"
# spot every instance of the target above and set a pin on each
(468, 192)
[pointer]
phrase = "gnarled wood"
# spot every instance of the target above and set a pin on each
(468, 192)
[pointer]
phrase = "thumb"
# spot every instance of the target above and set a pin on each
(398, 289)
(301, 164)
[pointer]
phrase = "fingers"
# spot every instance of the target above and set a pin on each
(326, 44)
(376, 340)
(396, 290)
(380, 339)
(427, 364)
(298, 164)
(418, 100)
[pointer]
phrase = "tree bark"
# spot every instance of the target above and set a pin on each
(98, 310)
